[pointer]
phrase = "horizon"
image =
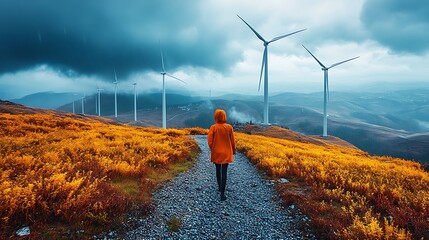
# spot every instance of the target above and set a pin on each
(374, 90)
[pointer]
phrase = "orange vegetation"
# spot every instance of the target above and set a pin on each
(63, 167)
(347, 193)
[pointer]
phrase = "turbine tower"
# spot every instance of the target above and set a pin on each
(326, 89)
(264, 67)
(135, 102)
(116, 90)
(99, 105)
(164, 110)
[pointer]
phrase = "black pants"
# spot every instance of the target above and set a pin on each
(221, 174)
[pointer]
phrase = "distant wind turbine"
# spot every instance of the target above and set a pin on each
(164, 110)
(326, 89)
(99, 105)
(116, 89)
(264, 67)
(96, 105)
(74, 100)
(83, 105)
(135, 102)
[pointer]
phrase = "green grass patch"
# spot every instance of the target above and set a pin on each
(158, 176)
(180, 167)
(126, 185)
(174, 224)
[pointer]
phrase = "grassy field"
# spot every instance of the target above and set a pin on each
(347, 193)
(59, 172)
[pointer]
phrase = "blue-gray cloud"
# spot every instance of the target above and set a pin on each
(403, 26)
(92, 37)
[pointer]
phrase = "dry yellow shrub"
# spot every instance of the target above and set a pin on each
(361, 190)
(57, 167)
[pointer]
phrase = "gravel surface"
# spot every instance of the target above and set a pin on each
(251, 211)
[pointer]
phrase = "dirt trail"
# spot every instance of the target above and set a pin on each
(251, 210)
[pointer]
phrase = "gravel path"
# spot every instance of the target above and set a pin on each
(251, 210)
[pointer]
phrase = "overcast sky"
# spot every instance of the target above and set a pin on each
(74, 45)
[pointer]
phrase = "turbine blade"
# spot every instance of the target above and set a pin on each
(286, 35)
(320, 63)
(162, 58)
(336, 64)
(262, 68)
(116, 78)
(253, 30)
(175, 78)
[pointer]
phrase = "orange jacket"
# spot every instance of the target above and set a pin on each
(221, 139)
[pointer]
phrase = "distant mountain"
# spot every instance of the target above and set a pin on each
(49, 100)
(402, 110)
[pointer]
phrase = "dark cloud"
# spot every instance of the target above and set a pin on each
(401, 25)
(92, 37)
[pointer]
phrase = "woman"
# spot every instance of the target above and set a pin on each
(222, 146)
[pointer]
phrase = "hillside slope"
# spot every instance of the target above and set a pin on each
(283, 133)
(347, 193)
(60, 170)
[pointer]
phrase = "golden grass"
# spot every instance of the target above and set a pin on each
(81, 171)
(347, 193)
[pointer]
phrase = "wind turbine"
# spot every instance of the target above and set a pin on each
(135, 102)
(326, 89)
(164, 110)
(73, 107)
(264, 67)
(99, 105)
(116, 89)
(83, 105)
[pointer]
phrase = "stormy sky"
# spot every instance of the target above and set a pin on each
(74, 45)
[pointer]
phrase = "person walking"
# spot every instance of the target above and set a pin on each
(222, 146)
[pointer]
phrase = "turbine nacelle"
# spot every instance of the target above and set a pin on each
(324, 68)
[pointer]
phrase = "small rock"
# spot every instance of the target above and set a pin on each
(23, 231)
(283, 180)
